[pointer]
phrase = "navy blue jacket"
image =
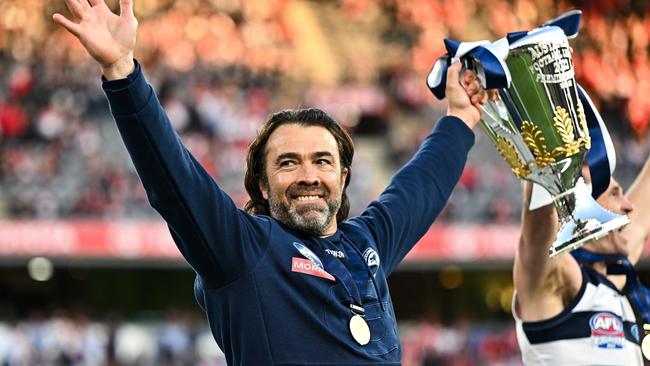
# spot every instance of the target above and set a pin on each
(264, 305)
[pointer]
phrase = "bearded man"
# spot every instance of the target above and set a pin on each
(288, 280)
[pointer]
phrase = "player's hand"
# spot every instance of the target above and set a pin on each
(108, 38)
(465, 94)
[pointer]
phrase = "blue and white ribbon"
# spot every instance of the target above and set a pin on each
(569, 22)
(601, 156)
(487, 59)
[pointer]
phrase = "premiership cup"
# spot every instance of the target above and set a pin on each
(538, 125)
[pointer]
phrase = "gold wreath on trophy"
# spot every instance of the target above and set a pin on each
(586, 139)
(534, 138)
(509, 153)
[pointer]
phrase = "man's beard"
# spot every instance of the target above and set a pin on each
(297, 219)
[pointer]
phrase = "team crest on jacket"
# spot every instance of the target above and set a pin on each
(606, 330)
(372, 259)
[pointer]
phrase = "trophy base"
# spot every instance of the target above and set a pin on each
(588, 221)
(584, 232)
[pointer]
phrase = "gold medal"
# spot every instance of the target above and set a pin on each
(359, 329)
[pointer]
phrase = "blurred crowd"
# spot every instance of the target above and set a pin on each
(73, 339)
(428, 343)
(221, 66)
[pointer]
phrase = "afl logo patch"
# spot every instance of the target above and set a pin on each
(372, 259)
(606, 330)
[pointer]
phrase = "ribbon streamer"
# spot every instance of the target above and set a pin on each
(490, 57)
(601, 156)
(569, 22)
(490, 65)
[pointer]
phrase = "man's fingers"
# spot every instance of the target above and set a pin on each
(95, 2)
(84, 4)
(485, 97)
(75, 8)
(72, 27)
(126, 8)
(452, 73)
(480, 97)
(468, 77)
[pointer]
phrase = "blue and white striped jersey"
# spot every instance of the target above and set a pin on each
(597, 328)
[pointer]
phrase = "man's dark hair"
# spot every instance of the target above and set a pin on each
(256, 156)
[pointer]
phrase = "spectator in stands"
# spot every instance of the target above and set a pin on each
(569, 310)
(290, 280)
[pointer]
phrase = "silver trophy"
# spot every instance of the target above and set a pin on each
(538, 125)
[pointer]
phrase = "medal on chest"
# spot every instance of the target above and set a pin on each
(358, 326)
(359, 329)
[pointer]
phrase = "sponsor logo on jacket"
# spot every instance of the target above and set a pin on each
(312, 265)
(307, 266)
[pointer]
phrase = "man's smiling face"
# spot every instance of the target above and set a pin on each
(304, 180)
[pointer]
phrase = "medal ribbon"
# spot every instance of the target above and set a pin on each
(337, 269)
(619, 264)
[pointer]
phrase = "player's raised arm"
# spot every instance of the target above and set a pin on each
(542, 283)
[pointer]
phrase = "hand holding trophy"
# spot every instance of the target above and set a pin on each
(538, 122)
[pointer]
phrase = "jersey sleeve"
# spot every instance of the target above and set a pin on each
(417, 192)
(220, 241)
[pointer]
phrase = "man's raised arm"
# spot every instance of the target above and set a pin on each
(108, 38)
(204, 222)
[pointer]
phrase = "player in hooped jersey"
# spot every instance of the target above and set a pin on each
(571, 312)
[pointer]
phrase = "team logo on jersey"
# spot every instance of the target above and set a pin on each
(308, 253)
(372, 259)
(635, 332)
(606, 330)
